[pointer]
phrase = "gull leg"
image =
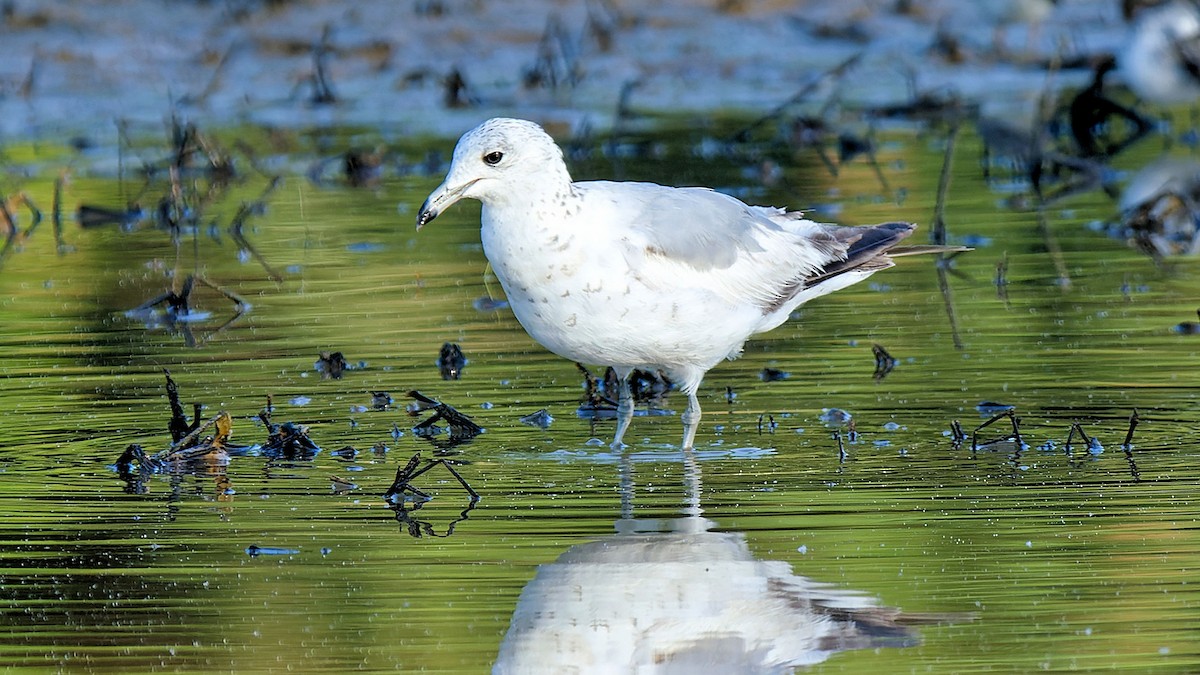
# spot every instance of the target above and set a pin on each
(691, 420)
(624, 407)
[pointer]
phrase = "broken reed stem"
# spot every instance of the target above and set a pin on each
(837, 436)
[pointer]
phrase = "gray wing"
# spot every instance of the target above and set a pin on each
(697, 226)
(698, 238)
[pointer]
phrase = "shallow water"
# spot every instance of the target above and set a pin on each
(1033, 556)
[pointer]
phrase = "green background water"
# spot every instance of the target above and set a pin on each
(1085, 561)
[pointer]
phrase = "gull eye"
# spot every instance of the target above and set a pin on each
(493, 158)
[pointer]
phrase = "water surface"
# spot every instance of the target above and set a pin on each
(1036, 557)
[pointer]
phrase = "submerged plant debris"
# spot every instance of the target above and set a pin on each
(381, 400)
(884, 362)
(404, 498)
(450, 361)
(461, 427)
(599, 396)
(1014, 434)
(288, 441)
(402, 485)
(773, 375)
(331, 365)
(540, 418)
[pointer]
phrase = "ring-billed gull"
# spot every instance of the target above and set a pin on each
(638, 275)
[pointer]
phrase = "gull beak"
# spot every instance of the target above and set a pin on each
(440, 200)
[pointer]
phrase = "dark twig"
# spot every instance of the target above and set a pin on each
(1014, 436)
(957, 435)
(56, 214)
(409, 472)
(1133, 469)
(1075, 428)
(239, 221)
(461, 426)
(178, 426)
(1133, 422)
(938, 233)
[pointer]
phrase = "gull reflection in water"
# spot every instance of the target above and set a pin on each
(673, 596)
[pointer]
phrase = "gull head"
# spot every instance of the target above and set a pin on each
(496, 161)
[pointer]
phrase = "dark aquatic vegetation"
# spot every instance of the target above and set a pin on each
(190, 454)
(835, 417)
(986, 408)
(1187, 327)
(402, 492)
(179, 425)
(238, 223)
(557, 63)
(1014, 435)
(773, 375)
(1090, 444)
(462, 428)
(1134, 418)
(177, 312)
(884, 362)
(362, 168)
(98, 216)
(381, 400)
(331, 365)
(1001, 279)
(402, 485)
(416, 527)
(957, 435)
(814, 85)
(358, 168)
(936, 107)
(187, 445)
(541, 418)
(450, 361)
(254, 550)
(287, 441)
(456, 93)
(1092, 114)
(647, 388)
